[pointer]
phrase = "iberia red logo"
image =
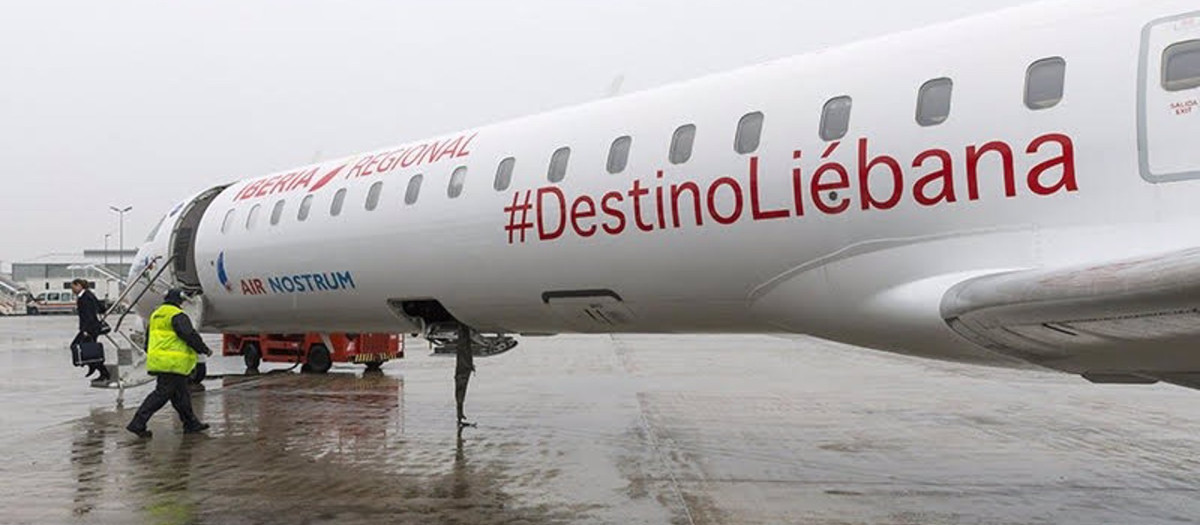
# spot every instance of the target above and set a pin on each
(380, 163)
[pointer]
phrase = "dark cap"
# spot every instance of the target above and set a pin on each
(174, 296)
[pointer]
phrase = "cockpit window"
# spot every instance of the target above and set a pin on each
(154, 231)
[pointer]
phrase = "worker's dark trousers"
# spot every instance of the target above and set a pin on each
(173, 388)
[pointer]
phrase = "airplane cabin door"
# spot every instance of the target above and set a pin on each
(1169, 99)
(183, 240)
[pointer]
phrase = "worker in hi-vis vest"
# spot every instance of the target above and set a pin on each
(171, 349)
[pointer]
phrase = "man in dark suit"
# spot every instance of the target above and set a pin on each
(88, 308)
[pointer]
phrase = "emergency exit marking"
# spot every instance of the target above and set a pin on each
(1186, 107)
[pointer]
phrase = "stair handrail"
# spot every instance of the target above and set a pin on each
(100, 269)
(149, 284)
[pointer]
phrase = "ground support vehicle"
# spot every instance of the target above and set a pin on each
(313, 351)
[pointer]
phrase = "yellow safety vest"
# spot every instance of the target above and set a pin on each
(167, 352)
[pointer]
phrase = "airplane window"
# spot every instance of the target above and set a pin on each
(339, 199)
(558, 164)
(835, 118)
(681, 144)
(414, 189)
(277, 213)
(933, 102)
(305, 206)
(228, 221)
(504, 174)
(373, 195)
(1044, 83)
(1181, 66)
(618, 154)
(456, 182)
(252, 217)
(749, 133)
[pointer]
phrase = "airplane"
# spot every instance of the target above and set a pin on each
(1016, 189)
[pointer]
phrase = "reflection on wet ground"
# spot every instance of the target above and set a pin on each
(633, 429)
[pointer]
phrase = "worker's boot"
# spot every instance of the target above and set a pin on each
(200, 427)
(141, 432)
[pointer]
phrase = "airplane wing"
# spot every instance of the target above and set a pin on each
(1132, 321)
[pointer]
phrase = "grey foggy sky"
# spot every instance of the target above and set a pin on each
(143, 102)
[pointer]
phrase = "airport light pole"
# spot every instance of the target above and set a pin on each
(121, 231)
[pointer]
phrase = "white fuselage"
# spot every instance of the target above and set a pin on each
(784, 238)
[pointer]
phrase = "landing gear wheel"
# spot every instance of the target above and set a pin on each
(319, 360)
(374, 366)
(251, 355)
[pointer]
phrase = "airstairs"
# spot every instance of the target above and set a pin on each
(11, 302)
(127, 339)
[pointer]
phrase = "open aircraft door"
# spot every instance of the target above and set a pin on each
(183, 241)
(1169, 99)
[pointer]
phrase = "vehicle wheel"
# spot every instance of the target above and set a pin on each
(252, 355)
(34, 311)
(374, 366)
(319, 360)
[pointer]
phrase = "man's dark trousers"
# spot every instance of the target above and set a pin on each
(173, 388)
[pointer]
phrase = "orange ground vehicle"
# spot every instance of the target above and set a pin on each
(312, 350)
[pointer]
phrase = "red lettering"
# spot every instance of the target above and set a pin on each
(797, 185)
(864, 179)
(543, 233)
(676, 192)
(265, 187)
(945, 175)
(371, 164)
(615, 213)
(579, 212)
(755, 200)
(1006, 158)
(247, 289)
(303, 180)
(241, 194)
(1066, 160)
(435, 148)
(258, 287)
(413, 155)
(462, 150)
(658, 199)
(250, 190)
(818, 187)
(737, 200)
(282, 183)
(357, 170)
(451, 149)
(389, 161)
(636, 195)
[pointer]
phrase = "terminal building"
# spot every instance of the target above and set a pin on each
(53, 273)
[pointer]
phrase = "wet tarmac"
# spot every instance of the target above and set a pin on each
(598, 429)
